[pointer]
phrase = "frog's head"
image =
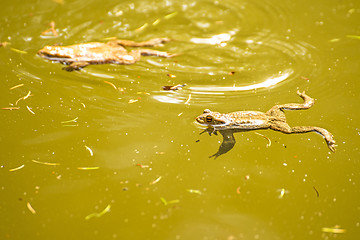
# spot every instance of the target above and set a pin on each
(209, 118)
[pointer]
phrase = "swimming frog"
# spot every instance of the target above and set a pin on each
(273, 119)
(78, 56)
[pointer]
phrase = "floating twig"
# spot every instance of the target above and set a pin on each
(88, 168)
(111, 84)
(106, 210)
(269, 141)
(17, 168)
(89, 149)
(46, 163)
(163, 200)
(335, 229)
(142, 27)
(24, 97)
(11, 108)
(18, 51)
(156, 180)
(317, 192)
(28, 108)
(72, 120)
(194, 191)
(31, 209)
(17, 86)
(188, 100)
(170, 15)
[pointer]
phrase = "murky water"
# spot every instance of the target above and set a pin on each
(105, 153)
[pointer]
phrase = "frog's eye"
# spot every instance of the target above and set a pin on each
(206, 111)
(209, 118)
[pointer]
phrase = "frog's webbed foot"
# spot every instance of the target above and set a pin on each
(227, 144)
(76, 66)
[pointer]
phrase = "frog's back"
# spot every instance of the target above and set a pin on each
(248, 120)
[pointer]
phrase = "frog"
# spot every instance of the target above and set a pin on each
(273, 119)
(78, 56)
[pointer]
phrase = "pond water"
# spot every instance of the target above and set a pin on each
(105, 153)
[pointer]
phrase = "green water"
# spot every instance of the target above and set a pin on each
(291, 190)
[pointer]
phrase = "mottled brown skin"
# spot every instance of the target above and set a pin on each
(274, 119)
(78, 56)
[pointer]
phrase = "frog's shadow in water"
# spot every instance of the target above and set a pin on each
(228, 140)
(228, 124)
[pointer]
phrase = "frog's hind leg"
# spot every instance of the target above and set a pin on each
(150, 52)
(277, 111)
(150, 43)
(285, 128)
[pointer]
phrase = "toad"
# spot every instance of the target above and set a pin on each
(78, 56)
(273, 119)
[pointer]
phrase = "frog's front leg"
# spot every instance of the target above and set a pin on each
(285, 128)
(210, 130)
(76, 66)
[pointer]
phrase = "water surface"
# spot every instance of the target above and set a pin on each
(82, 159)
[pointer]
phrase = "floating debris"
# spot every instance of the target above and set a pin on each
(133, 100)
(194, 191)
(89, 149)
(171, 15)
(106, 210)
(335, 229)
(11, 108)
(88, 168)
(3, 44)
(28, 108)
(173, 88)
(353, 36)
(111, 84)
(51, 30)
(24, 97)
(317, 192)
(17, 86)
(31, 209)
(231, 73)
(163, 200)
(188, 100)
(269, 141)
(156, 180)
(334, 40)
(156, 22)
(17, 168)
(69, 121)
(142, 27)
(238, 190)
(46, 163)
(18, 51)
(171, 75)
(142, 166)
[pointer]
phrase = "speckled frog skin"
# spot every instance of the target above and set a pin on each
(78, 56)
(273, 119)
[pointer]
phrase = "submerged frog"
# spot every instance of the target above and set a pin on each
(274, 119)
(78, 56)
